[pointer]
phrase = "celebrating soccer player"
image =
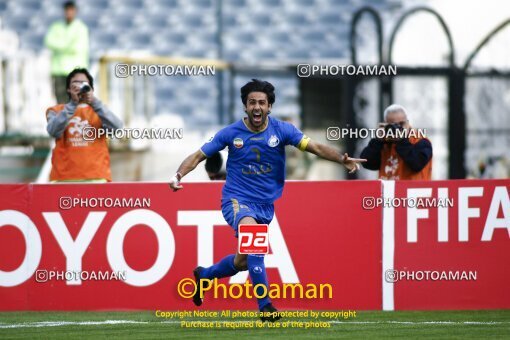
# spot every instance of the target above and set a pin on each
(255, 178)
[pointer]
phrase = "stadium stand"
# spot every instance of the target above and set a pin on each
(253, 31)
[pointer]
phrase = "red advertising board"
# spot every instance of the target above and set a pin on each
(471, 236)
(320, 234)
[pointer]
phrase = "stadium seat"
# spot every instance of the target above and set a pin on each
(303, 4)
(329, 19)
(234, 4)
(169, 37)
(161, 6)
(119, 21)
(196, 52)
(278, 37)
(231, 54)
(240, 36)
(91, 19)
(95, 4)
(330, 52)
(200, 93)
(268, 4)
(258, 55)
(309, 36)
(162, 49)
(193, 20)
(105, 40)
(200, 4)
(154, 21)
(297, 53)
(135, 40)
(297, 19)
(133, 5)
(230, 20)
(167, 93)
(181, 109)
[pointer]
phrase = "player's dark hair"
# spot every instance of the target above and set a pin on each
(69, 4)
(75, 72)
(258, 86)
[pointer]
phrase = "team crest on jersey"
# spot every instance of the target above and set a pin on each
(238, 143)
(273, 141)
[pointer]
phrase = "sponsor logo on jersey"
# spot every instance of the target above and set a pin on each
(76, 126)
(238, 143)
(76, 129)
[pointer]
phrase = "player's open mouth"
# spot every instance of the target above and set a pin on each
(257, 117)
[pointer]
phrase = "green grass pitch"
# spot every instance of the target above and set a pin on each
(145, 325)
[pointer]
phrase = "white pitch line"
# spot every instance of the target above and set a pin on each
(425, 322)
(69, 323)
(127, 322)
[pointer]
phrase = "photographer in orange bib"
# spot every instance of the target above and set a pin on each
(80, 154)
(409, 157)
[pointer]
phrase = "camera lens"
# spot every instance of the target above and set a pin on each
(84, 88)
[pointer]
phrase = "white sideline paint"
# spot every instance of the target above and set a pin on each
(425, 322)
(388, 246)
(69, 323)
(127, 322)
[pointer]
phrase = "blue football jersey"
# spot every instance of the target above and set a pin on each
(256, 160)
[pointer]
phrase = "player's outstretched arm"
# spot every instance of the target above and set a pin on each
(187, 165)
(334, 155)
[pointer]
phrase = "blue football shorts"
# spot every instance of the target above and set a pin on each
(234, 211)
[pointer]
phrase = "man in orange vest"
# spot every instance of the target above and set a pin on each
(75, 158)
(399, 158)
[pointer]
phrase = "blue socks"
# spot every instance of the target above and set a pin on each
(257, 270)
(224, 268)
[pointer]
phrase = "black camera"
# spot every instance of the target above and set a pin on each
(393, 128)
(85, 87)
(390, 131)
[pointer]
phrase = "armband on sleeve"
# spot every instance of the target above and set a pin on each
(303, 143)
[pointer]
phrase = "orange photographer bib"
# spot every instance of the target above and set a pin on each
(393, 166)
(75, 158)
